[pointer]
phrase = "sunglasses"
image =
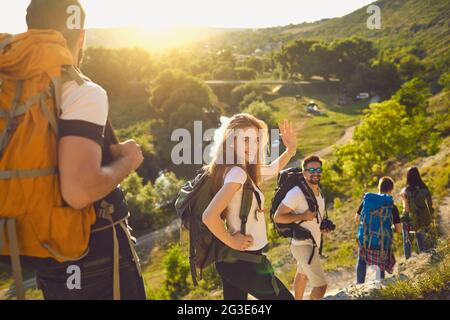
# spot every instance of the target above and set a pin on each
(317, 170)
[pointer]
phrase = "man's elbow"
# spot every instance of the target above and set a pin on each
(74, 195)
(276, 217)
(206, 218)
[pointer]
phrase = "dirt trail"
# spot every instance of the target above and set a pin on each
(348, 135)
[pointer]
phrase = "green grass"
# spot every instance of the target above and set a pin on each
(437, 176)
(317, 132)
(433, 283)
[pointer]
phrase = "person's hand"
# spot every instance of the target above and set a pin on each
(288, 137)
(129, 150)
(240, 242)
(309, 216)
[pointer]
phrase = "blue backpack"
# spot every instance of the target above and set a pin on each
(374, 231)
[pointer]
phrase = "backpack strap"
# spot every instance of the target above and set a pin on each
(17, 111)
(106, 211)
(10, 116)
(10, 225)
(247, 197)
(6, 42)
(246, 203)
(72, 73)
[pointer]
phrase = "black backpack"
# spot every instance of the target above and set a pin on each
(288, 179)
(420, 211)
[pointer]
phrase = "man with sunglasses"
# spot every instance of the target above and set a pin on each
(294, 209)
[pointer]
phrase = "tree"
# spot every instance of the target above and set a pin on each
(414, 96)
(224, 72)
(294, 58)
(348, 54)
(410, 66)
(176, 271)
(382, 134)
(140, 201)
(249, 99)
(179, 100)
(255, 63)
(141, 132)
(119, 71)
(245, 73)
(238, 93)
(321, 57)
(148, 203)
(262, 111)
(385, 79)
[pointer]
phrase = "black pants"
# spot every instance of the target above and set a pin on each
(96, 283)
(241, 278)
(96, 272)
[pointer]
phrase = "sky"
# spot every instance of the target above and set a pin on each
(212, 13)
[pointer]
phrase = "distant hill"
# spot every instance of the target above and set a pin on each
(152, 40)
(404, 24)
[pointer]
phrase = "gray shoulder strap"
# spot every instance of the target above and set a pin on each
(6, 42)
(72, 73)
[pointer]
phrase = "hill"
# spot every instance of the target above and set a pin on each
(152, 40)
(405, 24)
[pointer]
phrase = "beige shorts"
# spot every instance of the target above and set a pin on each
(314, 271)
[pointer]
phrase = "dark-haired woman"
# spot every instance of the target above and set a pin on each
(418, 211)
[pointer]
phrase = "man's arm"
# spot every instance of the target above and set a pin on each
(358, 213)
(83, 179)
(284, 214)
(396, 219)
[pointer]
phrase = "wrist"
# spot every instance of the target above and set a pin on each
(229, 240)
(126, 164)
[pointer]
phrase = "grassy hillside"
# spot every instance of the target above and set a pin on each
(405, 24)
(340, 247)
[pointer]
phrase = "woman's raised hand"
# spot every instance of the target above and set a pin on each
(288, 136)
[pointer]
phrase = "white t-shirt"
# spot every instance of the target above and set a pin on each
(295, 200)
(256, 222)
(84, 110)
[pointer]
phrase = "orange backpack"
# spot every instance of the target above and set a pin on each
(34, 220)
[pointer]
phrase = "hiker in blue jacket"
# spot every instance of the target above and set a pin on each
(376, 216)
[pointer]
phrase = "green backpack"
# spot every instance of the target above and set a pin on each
(420, 212)
(204, 248)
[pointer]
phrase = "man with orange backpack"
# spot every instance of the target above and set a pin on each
(60, 166)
